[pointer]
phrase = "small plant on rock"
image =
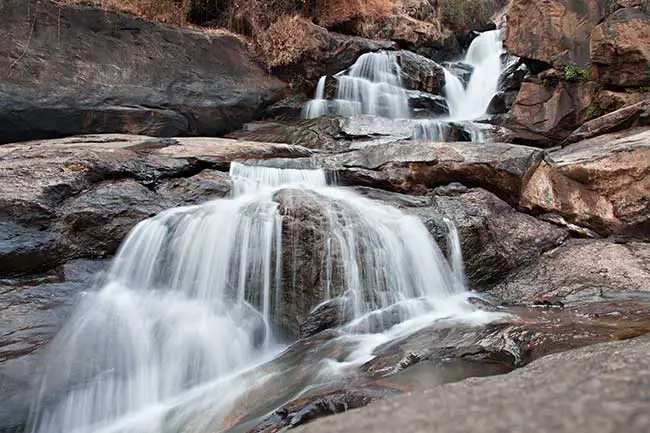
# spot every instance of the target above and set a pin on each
(573, 72)
(594, 110)
(642, 89)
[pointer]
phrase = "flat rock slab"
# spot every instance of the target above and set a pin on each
(414, 167)
(602, 388)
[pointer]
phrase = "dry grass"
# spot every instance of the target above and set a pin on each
(166, 11)
(278, 29)
(328, 12)
(283, 41)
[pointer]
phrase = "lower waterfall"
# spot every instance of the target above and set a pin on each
(191, 303)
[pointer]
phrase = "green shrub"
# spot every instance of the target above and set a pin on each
(573, 72)
(642, 89)
(594, 110)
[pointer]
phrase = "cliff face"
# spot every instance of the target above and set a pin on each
(69, 70)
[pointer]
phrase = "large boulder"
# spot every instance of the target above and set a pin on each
(554, 31)
(546, 112)
(71, 70)
(601, 183)
(420, 73)
(620, 49)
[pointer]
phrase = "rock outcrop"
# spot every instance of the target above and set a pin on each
(601, 183)
(67, 70)
(620, 49)
(553, 32)
(78, 197)
(547, 112)
(414, 167)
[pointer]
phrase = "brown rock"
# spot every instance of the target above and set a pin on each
(620, 49)
(420, 73)
(553, 31)
(601, 183)
(628, 117)
(429, 38)
(608, 100)
(544, 114)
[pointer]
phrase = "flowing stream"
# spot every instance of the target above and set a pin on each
(373, 86)
(191, 304)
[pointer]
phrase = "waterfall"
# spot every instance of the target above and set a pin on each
(455, 253)
(318, 106)
(191, 299)
(484, 55)
(372, 85)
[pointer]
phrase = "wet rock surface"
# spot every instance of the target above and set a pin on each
(79, 197)
(600, 388)
(174, 83)
(33, 309)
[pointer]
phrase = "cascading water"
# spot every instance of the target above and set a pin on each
(190, 301)
(484, 55)
(373, 86)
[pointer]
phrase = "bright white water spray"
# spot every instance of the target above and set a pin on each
(484, 55)
(190, 302)
(371, 86)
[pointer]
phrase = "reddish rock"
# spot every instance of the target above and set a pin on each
(601, 183)
(545, 113)
(609, 101)
(553, 31)
(620, 49)
(627, 117)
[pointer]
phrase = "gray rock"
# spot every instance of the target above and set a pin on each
(597, 389)
(89, 70)
(580, 269)
(33, 310)
(414, 167)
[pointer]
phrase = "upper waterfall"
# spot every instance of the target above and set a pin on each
(484, 55)
(373, 86)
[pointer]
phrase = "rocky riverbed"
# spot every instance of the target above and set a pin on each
(552, 212)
